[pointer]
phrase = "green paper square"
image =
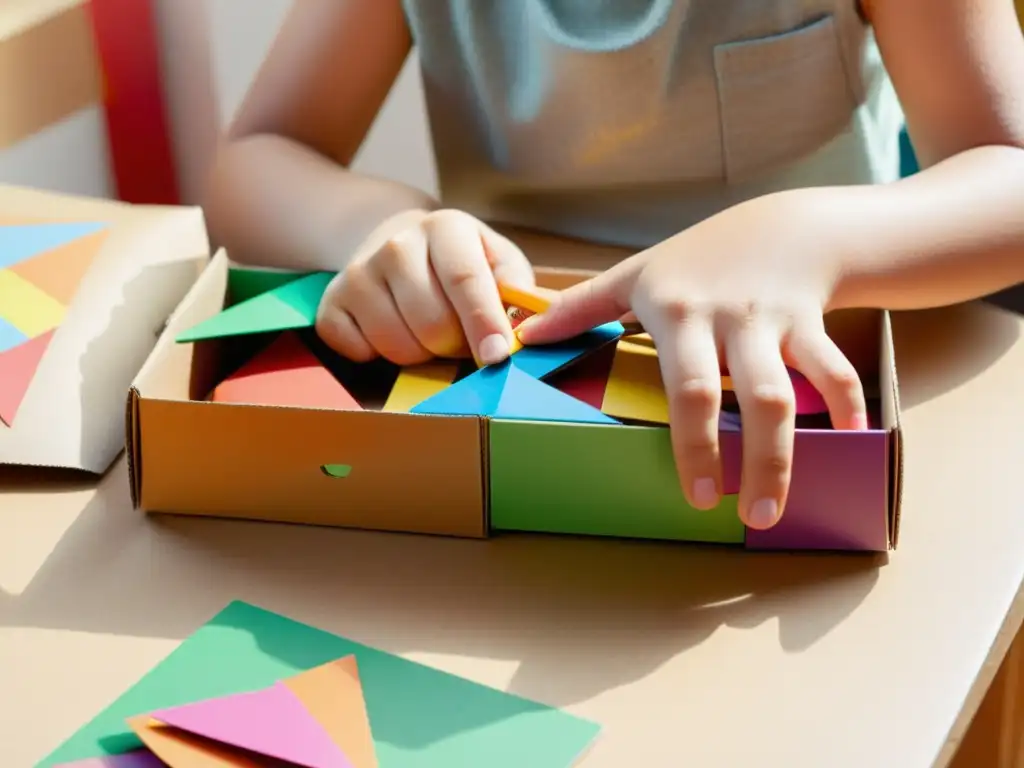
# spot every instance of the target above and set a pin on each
(420, 717)
(597, 480)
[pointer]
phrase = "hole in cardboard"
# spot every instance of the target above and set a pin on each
(339, 471)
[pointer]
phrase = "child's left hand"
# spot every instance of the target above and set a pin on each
(747, 288)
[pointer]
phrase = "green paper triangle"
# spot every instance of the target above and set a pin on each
(287, 307)
(247, 282)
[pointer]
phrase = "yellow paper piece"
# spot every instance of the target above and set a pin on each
(416, 383)
(26, 307)
(634, 389)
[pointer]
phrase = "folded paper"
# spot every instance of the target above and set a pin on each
(289, 306)
(416, 383)
(286, 373)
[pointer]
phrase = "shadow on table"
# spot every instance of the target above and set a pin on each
(578, 616)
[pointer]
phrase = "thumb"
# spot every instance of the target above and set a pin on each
(601, 299)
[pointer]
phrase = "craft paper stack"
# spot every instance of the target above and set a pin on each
(252, 689)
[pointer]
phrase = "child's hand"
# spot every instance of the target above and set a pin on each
(749, 287)
(424, 286)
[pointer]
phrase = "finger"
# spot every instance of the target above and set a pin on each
(601, 299)
(340, 332)
(508, 263)
(458, 258)
(765, 394)
(367, 299)
(404, 265)
(829, 371)
(689, 364)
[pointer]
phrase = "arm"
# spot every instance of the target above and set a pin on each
(955, 231)
(280, 193)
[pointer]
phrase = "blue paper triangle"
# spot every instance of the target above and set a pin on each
(476, 395)
(524, 398)
(545, 359)
(19, 242)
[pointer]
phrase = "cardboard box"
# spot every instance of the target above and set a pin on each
(471, 476)
(111, 276)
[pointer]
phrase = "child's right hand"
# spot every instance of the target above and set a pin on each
(424, 285)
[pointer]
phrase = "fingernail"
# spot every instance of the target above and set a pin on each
(493, 349)
(764, 513)
(705, 493)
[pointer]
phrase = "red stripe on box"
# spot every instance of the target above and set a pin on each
(140, 146)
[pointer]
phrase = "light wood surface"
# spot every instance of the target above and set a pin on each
(687, 655)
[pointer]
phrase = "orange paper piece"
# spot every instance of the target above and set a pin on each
(17, 369)
(180, 749)
(333, 694)
(59, 270)
(286, 373)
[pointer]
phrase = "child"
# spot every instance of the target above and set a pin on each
(744, 150)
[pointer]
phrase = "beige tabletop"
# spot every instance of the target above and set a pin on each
(686, 655)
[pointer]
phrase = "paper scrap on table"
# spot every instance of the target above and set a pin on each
(420, 717)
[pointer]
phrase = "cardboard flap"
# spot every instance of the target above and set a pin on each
(890, 395)
(70, 415)
(48, 65)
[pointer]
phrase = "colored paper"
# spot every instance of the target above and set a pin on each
(17, 369)
(10, 336)
(246, 282)
(333, 695)
(287, 307)
(543, 360)
(288, 374)
(26, 307)
(587, 379)
(600, 481)
(58, 272)
(525, 398)
(139, 758)
(23, 241)
(634, 390)
(476, 395)
(270, 722)
(180, 749)
(421, 717)
(416, 383)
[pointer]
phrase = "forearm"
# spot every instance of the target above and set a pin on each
(952, 233)
(273, 202)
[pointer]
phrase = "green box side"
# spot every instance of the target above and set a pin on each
(598, 481)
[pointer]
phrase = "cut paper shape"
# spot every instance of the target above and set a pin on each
(287, 307)
(634, 390)
(23, 241)
(543, 360)
(26, 307)
(246, 282)
(137, 758)
(270, 722)
(333, 695)
(10, 336)
(421, 717)
(288, 374)
(17, 369)
(59, 271)
(180, 749)
(416, 383)
(587, 379)
(506, 392)
(808, 399)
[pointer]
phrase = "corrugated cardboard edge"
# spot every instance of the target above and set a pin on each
(49, 66)
(217, 268)
(890, 389)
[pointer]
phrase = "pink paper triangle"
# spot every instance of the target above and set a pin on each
(17, 369)
(269, 722)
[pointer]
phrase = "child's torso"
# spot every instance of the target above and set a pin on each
(625, 121)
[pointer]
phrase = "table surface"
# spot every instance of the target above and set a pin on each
(686, 655)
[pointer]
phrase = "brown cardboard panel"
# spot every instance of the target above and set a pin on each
(411, 473)
(48, 65)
